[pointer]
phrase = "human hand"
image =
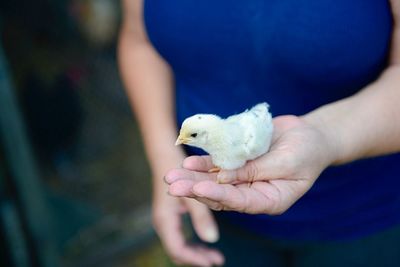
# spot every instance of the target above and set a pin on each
(167, 220)
(298, 154)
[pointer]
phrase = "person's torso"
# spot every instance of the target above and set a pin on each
(296, 55)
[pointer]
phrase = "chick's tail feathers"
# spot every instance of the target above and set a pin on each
(261, 110)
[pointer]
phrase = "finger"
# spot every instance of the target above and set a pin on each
(181, 188)
(189, 255)
(178, 174)
(198, 163)
(171, 234)
(214, 205)
(238, 198)
(215, 256)
(273, 165)
(203, 221)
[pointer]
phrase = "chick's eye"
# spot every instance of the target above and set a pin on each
(193, 135)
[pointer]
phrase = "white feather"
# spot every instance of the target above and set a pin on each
(234, 140)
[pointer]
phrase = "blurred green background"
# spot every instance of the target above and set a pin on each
(75, 187)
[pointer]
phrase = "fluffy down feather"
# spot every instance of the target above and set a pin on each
(231, 141)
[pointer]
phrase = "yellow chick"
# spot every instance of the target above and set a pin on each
(231, 141)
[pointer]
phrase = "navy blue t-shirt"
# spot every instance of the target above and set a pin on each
(228, 55)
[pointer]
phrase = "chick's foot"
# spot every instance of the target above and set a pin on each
(215, 169)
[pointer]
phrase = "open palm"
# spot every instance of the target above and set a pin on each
(298, 154)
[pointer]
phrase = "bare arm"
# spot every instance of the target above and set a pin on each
(364, 125)
(149, 84)
(368, 123)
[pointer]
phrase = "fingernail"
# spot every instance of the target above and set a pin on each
(211, 235)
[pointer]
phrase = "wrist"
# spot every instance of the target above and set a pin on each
(330, 139)
(162, 162)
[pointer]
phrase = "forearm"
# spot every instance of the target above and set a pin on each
(364, 125)
(148, 82)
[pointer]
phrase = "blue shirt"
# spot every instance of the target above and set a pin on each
(297, 55)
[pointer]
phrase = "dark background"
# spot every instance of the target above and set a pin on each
(89, 191)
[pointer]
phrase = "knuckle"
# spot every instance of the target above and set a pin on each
(252, 171)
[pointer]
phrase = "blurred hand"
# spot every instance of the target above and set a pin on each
(299, 153)
(167, 221)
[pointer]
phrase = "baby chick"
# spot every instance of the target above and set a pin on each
(231, 141)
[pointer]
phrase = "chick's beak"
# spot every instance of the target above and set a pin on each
(181, 140)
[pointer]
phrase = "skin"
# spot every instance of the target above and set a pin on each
(302, 147)
(148, 82)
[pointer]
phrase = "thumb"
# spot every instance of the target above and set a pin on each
(269, 166)
(203, 221)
